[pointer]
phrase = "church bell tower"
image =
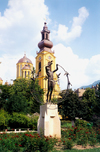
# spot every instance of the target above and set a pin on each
(43, 58)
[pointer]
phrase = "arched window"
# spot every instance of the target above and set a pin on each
(47, 36)
(28, 74)
(49, 66)
(42, 36)
(39, 66)
(25, 74)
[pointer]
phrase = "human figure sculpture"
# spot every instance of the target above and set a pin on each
(50, 80)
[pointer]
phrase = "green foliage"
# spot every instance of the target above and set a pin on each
(17, 120)
(17, 104)
(70, 106)
(54, 100)
(21, 96)
(97, 107)
(65, 123)
(4, 119)
(4, 95)
(81, 135)
(68, 143)
(88, 104)
(27, 142)
(80, 123)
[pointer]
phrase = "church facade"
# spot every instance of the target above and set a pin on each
(24, 67)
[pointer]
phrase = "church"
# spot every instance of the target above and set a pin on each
(43, 58)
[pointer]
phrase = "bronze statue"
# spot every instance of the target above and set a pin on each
(50, 80)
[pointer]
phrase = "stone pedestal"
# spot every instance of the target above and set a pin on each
(49, 121)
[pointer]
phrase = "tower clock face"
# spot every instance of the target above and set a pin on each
(49, 57)
(40, 58)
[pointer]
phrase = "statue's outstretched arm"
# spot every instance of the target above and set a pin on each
(56, 68)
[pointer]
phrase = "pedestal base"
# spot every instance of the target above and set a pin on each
(49, 121)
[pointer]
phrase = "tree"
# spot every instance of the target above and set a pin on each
(4, 95)
(97, 107)
(89, 103)
(22, 99)
(70, 106)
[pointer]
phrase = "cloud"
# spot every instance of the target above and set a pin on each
(93, 68)
(20, 25)
(62, 34)
(82, 71)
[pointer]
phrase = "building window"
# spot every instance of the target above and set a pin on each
(39, 66)
(28, 74)
(47, 36)
(25, 74)
(42, 36)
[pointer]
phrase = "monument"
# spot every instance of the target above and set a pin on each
(49, 122)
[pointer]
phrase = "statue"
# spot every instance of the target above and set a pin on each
(50, 79)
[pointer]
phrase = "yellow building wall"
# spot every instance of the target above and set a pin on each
(44, 57)
(19, 67)
(1, 81)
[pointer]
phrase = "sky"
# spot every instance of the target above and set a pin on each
(75, 33)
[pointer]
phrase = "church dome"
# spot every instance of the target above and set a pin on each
(26, 67)
(45, 43)
(25, 60)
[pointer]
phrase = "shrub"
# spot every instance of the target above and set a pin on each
(81, 123)
(33, 122)
(18, 121)
(4, 119)
(68, 143)
(27, 142)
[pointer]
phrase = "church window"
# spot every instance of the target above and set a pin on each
(42, 36)
(25, 74)
(28, 74)
(39, 66)
(47, 36)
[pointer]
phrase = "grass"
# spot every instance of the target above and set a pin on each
(65, 123)
(76, 150)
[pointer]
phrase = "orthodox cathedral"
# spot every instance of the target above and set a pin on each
(43, 58)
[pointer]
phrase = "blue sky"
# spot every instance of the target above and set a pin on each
(75, 33)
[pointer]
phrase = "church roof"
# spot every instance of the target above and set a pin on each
(26, 67)
(45, 44)
(25, 59)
